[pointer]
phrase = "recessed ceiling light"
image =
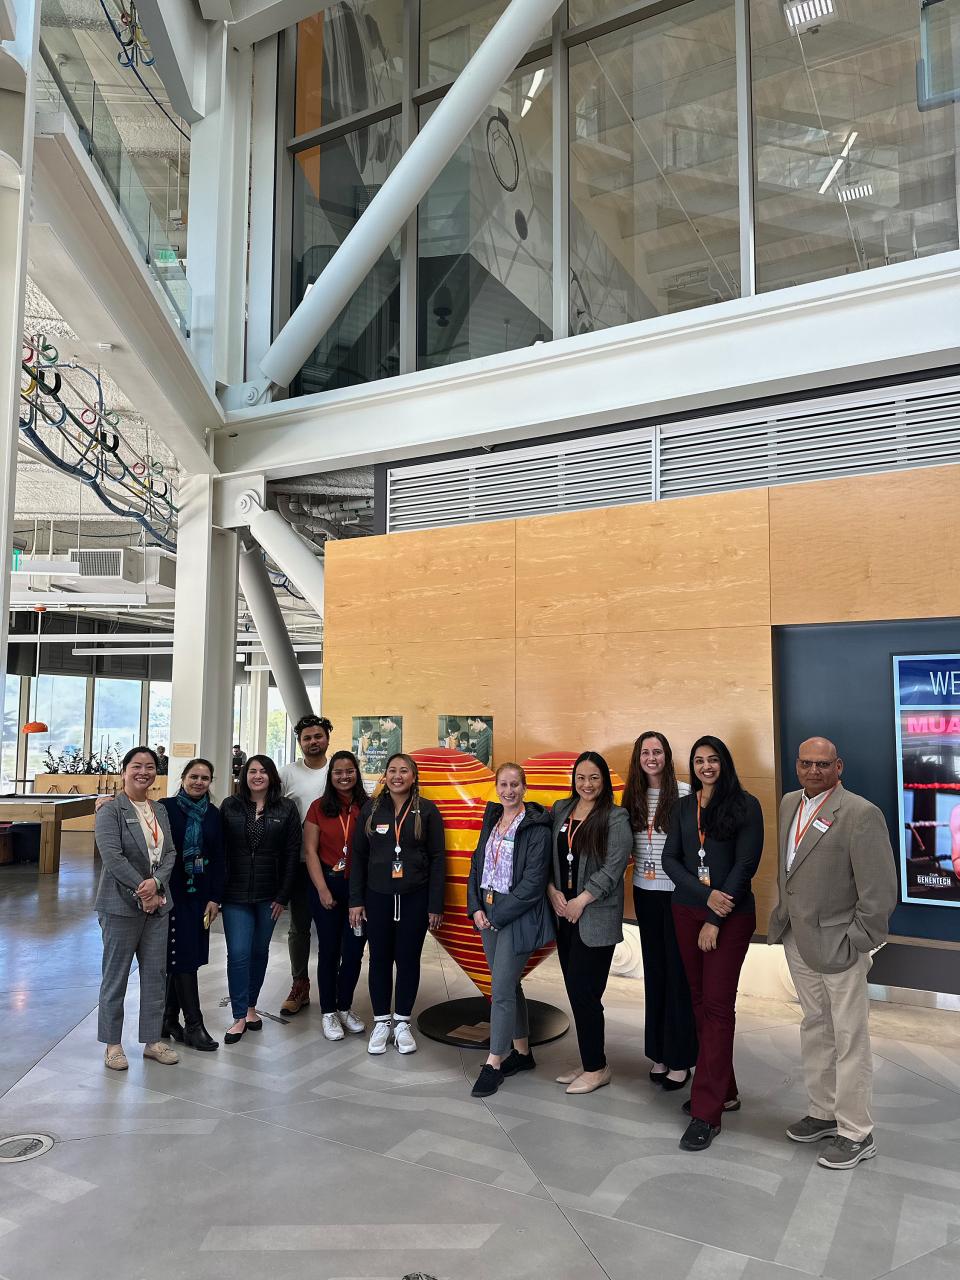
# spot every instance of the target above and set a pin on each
(801, 15)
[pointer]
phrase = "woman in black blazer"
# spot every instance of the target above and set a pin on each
(712, 852)
(262, 835)
(506, 900)
(592, 846)
(196, 886)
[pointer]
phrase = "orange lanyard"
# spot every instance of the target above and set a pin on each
(571, 833)
(398, 826)
(650, 833)
(804, 827)
(345, 828)
(700, 831)
(498, 844)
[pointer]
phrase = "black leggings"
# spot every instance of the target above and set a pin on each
(585, 972)
(395, 943)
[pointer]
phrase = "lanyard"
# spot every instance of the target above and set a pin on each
(498, 844)
(571, 832)
(700, 832)
(804, 827)
(650, 833)
(152, 825)
(398, 826)
(345, 828)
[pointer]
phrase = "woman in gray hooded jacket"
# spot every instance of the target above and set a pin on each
(506, 899)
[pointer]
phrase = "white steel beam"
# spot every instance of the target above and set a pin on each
(400, 194)
(893, 320)
(288, 551)
(178, 37)
(268, 619)
(255, 20)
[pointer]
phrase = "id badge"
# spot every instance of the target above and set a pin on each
(703, 873)
(649, 869)
(341, 865)
(488, 897)
(396, 871)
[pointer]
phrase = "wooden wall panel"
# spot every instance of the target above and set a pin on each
(866, 548)
(432, 586)
(678, 565)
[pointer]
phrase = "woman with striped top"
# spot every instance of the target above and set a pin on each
(651, 793)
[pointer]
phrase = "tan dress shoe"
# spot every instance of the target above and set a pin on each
(161, 1052)
(115, 1058)
(568, 1077)
(590, 1080)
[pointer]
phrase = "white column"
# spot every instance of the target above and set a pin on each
(268, 619)
(18, 59)
(257, 710)
(406, 186)
(204, 635)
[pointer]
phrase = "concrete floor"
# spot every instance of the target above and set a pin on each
(286, 1156)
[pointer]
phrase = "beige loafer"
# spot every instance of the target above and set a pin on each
(115, 1059)
(588, 1081)
(161, 1052)
(569, 1076)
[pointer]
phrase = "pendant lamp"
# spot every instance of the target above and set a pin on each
(37, 726)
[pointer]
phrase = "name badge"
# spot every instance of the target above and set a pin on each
(341, 865)
(382, 828)
(821, 826)
(488, 897)
(703, 874)
(649, 869)
(396, 869)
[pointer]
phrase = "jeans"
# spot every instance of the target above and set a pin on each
(340, 951)
(247, 927)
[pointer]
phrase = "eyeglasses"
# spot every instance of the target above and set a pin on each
(816, 764)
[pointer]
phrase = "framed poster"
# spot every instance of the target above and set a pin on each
(927, 693)
(473, 734)
(375, 739)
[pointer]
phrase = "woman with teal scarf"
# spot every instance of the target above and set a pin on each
(196, 886)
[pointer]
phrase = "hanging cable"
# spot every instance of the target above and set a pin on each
(130, 65)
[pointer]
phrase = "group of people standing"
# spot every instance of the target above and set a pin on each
(371, 872)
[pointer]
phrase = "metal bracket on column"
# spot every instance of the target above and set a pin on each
(245, 395)
(285, 548)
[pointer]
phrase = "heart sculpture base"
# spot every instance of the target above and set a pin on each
(465, 1023)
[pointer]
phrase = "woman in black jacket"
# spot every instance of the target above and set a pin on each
(196, 886)
(506, 899)
(262, 835)
(712, 852)
(396, 885)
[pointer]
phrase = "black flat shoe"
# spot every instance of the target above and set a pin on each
(733, 1104)
(669, 1086)
(232, 1037)
(698, 1136)
(488, 1081)
(515, 1062)
(657, 1077)
(255, 1026)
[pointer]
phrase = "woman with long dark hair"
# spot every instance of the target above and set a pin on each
(196, 885)
(328, 844)
(261, 840)
(396, 886)
(711, 855)
(592, 841)
(650, 796)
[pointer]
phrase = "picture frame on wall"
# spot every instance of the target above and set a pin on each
(374, 740)
(472, 734)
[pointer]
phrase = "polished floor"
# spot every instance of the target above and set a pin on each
(287, 1156)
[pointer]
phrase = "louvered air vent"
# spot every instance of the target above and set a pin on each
(890, 429)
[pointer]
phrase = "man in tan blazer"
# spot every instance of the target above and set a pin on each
(838, 885)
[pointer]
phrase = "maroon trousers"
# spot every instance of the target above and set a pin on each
(713, 977)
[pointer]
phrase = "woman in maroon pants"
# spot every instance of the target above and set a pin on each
(711, 855)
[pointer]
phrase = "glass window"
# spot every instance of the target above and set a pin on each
(581, 11)
(451, 32)
(278, 729)
(849, 173)
(333, 184)
(61, 703)
(10, 732)
(349, 59)
(654, 225)
(158, 714)
(116, 716)
(486, 233)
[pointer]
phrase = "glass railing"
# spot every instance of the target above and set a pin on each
(82, 99)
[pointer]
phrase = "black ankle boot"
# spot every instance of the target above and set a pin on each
(171, 1012)
(195, 1035)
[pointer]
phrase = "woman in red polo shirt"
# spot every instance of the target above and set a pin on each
(328, 833)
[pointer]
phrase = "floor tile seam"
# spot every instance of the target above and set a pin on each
(413, 1164)
(389, 1088)
(46, 1053)
(919, 1074)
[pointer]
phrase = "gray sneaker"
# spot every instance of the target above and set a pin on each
(844, 1153)
(810, 1129)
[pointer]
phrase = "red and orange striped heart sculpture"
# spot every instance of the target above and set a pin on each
(461, 786)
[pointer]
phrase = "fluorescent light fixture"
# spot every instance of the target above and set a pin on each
(838, 163)
(534, 90)
(303, 666)
(802, 14)
(858, 191)
(120, 653)
(56, 568)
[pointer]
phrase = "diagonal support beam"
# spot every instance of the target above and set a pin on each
(399, 196)
(265, 611)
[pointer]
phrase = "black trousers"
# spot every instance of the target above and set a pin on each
(395, 944)
(585, 973)
(339, 950)
(670, 1033)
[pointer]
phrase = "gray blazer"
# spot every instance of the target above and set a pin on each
(601, 924)
(838, 895)
(123, 850)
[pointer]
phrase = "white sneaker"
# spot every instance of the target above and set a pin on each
(379, 1037)
(332, 1029)
(350, 1022)
(403, 1038)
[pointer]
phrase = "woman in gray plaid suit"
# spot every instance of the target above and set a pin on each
(138, 853)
